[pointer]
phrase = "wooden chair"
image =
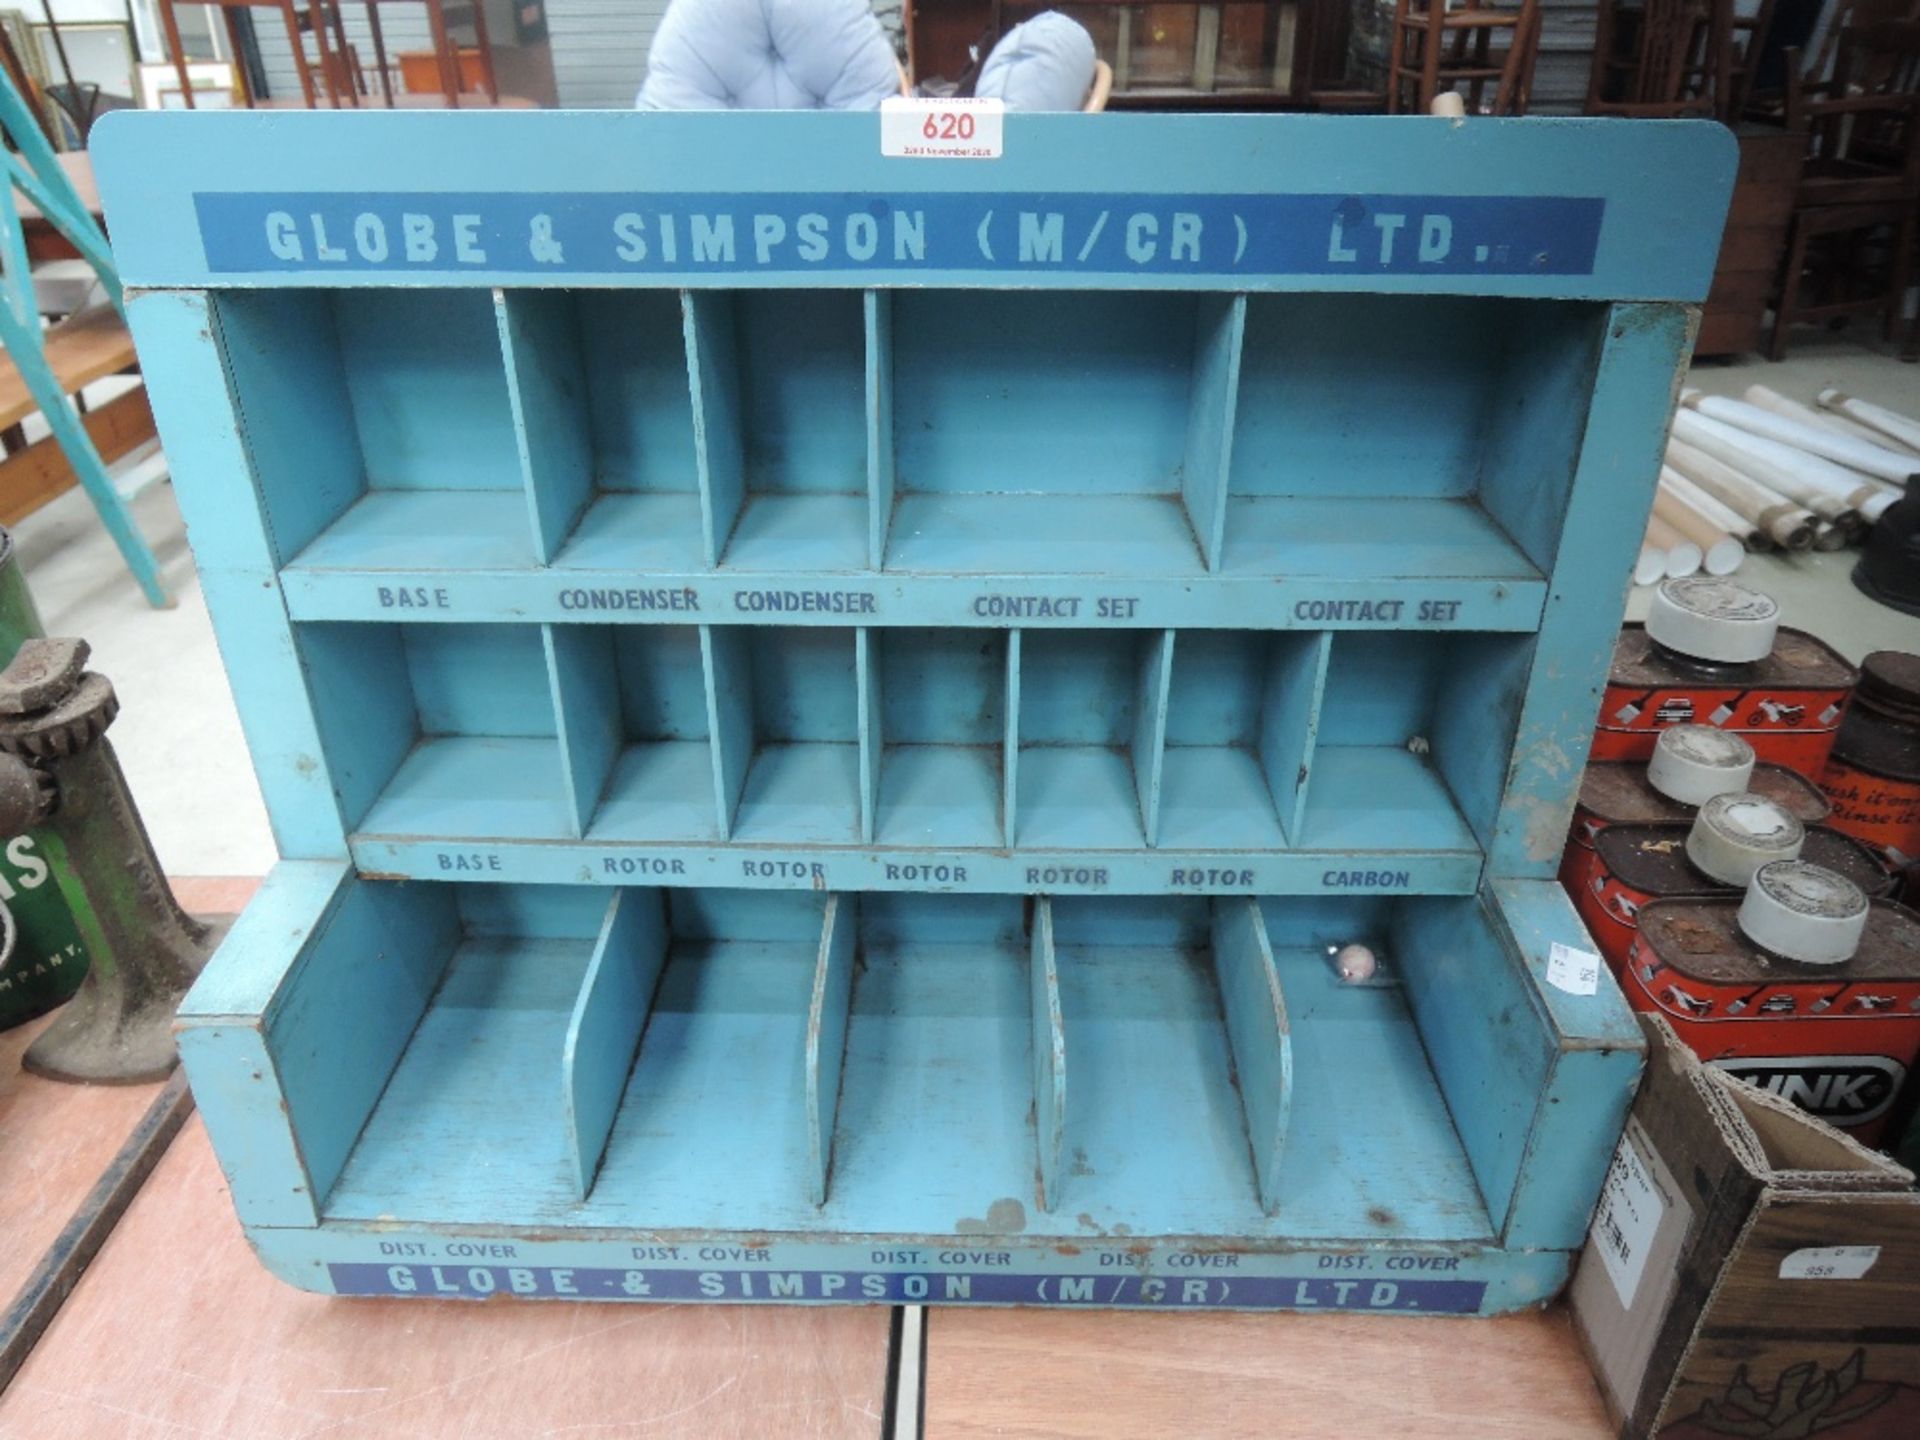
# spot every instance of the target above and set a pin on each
(1853, 225)
(1747, 47)
(1432, 48)
(1662, 59)
(446, 54)
(298, 22)
(1101, 89)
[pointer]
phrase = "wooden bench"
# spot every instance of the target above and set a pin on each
(80, 350)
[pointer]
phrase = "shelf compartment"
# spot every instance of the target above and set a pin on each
(445, 731)
(1336, 469)
(1055, 432)
(603, 407)
(780, 380)
(410, 1060)
(1090, 715)
(632, 702)
(1411, 746)
(810, 1063)
(935, 702)
(1243, 711)
(784, 708)
(373, 419)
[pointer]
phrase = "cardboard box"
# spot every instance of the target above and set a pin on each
(1750, 1271)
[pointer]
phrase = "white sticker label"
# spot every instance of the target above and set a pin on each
(951, 129)
(1625, 1221)
(1575, 971)
(1830, 1262)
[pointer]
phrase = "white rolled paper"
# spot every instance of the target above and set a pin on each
(1788, 524)
(1710, 509)
(1720, 552)
(1890, 423)
(1778, 418)
(1820, 485)
(1683, 556)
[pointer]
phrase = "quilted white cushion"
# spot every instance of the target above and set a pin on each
(769, 55)
(1046, 63)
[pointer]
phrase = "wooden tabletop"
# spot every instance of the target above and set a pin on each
(81, 349)
(176, 1330)
(1118, 1374)
(78, 165)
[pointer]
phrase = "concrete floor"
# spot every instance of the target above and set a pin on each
(179, 738)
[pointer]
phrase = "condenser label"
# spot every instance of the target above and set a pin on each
(987, 1287)
(772, 234)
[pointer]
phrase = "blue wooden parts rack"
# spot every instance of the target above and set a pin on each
(826, 711)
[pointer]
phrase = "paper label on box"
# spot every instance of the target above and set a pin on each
(945, 129)
(1829, 1262)
(1575, 971)
(1625, 1221)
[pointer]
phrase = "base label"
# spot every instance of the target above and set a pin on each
(994, 1287)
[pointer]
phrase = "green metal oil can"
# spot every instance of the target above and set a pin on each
(42, 958)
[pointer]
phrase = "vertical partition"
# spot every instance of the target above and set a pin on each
(1260, 1034)
(1220, 327)
(827, 1035)
(1010, 743)
(603, 1032)
(547, 387)
(866, 661)
(878, 313)
(1153, 674)
(1290, 722)
(723, 654)
(713, 371)
(1049, 1054)
(586, 704)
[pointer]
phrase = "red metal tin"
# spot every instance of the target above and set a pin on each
(1617, 793)
(1837, 1040)
(1634, 865)
(1873, 775)
(1787, 706)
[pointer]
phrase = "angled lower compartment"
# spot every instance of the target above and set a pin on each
(1032, 1070)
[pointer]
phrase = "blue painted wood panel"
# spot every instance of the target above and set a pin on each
(827, 1036)
(579, 171)
(1049, 1055)
(547, 391)
(869, 638)
(603, 1031)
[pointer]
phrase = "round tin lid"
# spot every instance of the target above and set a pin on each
(1804, 912)
(1734, 835)
(1889, 680)
(1694, 763)
(1713, 619)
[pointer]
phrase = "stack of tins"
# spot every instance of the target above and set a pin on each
(1873, 780)
(1716, 727)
